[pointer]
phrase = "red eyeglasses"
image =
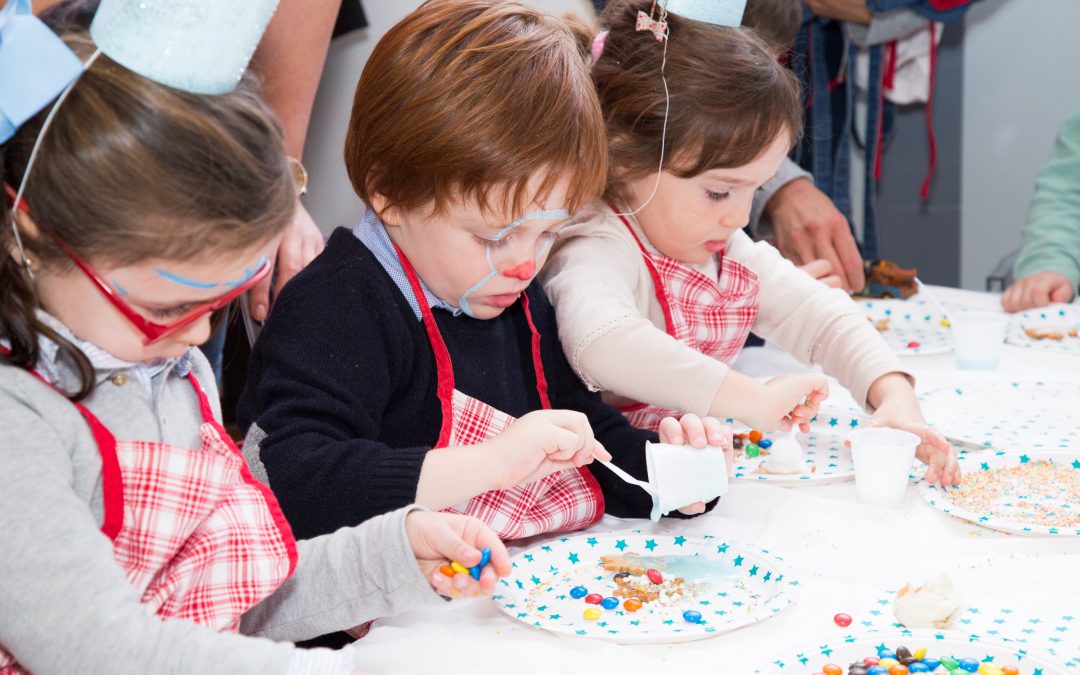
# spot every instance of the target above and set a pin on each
(152, 331)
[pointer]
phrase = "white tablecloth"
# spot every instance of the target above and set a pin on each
(848, 557)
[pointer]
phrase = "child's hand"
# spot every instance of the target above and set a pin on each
(790, 400)
(899, 408)
(697, 433)
(541, 443)
(438, 539)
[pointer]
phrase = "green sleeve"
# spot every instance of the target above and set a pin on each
(1052, 233)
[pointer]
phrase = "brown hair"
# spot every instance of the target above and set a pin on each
(463, 97)
(730, 98)
(777, 22)
(130, 170)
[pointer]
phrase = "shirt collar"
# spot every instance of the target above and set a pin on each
(372, 234)
(103, 363)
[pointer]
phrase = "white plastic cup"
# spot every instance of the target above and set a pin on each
(979, 339)
(882, 459)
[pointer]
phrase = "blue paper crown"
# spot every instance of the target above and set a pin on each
(35, 66)
(719, 12)
(201, 46)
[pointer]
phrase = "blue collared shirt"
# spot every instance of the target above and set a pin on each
(372, 233)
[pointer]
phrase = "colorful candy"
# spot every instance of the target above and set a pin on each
(903, 661)
(594, 598)
(755, 435)
(609, 603)
(832, 669)
(654, 576)
(458, 568)
(447, 571)
(632, 604)
(914, 344)
(842, 620)
(691, 616)
(765, 443)
(752, 450)
(578, 592)
(485, 558)
(592, 613)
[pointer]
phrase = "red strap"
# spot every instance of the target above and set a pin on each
(538, 363)
(111, 480)
(658, 283)
(931, 139)
(888, 77)
(946, 5)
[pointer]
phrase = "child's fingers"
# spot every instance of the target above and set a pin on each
(574, 423)
(592, 450)
(693, 430)
(671, 431)
(718, 434)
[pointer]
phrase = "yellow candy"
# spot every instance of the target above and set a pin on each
(987, 668)
(887, 663)
(919, 653)
(945, 322)
(459, 568)
(592, 613)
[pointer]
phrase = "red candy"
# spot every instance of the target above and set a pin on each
(655, 576)
(594, 598)
(871, 661)
(843, 620)
(914, 344)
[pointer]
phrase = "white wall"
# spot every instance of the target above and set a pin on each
(330, 198)
(1020, 81)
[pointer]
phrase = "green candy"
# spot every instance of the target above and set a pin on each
(949, 663)
(752, 450)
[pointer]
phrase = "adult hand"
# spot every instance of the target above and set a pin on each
(540, 443)
(1037, 290)
(809, 227)
(698, 432)
(822, 270)
(300, 244)
(854, 11)
(437, 539)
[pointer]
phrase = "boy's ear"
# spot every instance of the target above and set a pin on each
(381, 205)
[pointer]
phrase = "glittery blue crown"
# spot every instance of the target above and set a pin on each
(201, 46)
(719, 12)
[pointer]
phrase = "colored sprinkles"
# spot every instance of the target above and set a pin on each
(1038, 492)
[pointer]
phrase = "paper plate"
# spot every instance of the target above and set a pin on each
(909, 326)
(827, 460)
(728, 583)
(1035, 493)
(1032, 415)
(1060, 320)
(846, 649)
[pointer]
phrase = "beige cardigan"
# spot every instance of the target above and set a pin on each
(612, 326)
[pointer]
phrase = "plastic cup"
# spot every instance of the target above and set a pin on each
(882, 459)
(979, 339)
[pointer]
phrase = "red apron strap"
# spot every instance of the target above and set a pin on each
(112, 484)
(658, 283)
(929, 111)
(888, 77)
(538, 363)
(443, 365)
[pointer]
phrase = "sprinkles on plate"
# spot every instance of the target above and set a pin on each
(1038, 493)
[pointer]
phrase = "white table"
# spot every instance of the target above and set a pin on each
(846, 556)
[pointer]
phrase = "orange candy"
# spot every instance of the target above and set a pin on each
(632, 604)
(832, 669)
(756, 435)
(1010, 670)
(447, 571)
(898, 669)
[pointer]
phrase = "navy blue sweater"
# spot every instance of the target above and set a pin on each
(343, 382)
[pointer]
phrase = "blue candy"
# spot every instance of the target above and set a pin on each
(932, 664)
(578, 592)
(918, 668)
(877, 670)
(691, 616)
(764, 443)
(609, 603)
(970, 665)
(485, 557)
(474, 572)
(885, 653)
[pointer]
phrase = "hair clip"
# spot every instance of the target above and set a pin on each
(658, 27)
(598, 44)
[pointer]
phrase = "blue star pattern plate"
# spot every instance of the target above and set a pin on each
(1057, 319)
(1055, 634)
(1036, 493)
(726, 583)
(1006, 415)
(827, 460)
(854, 647)
(909, 326)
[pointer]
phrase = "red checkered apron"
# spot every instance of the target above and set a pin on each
(195, 533)
(566, 500)
(712, 316)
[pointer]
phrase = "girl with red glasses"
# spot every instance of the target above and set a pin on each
(136, 539)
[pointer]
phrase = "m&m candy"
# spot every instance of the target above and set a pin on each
(632, 604)
(592, 613)
(842, 620)
(594, 598)
(578, 592)
(691, 616)
(609, 603)
(655, 576)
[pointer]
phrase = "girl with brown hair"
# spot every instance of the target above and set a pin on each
(135, 539)
(435, 374)
(656, 294)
